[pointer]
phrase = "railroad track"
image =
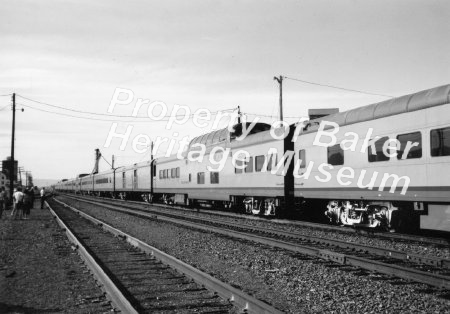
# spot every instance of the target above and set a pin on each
(141, 279)
(313, 225)
(432, 271)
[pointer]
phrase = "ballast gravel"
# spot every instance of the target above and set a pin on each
(293, 283)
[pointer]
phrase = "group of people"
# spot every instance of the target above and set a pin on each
(22, 202)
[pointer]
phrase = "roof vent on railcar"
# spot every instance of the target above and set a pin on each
(259, 127)
(319, 113)
(316, 115)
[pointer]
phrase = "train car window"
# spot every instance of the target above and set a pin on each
(335, 155)
(223, 135)
(190, 177)
(172, 173)
(259, 162)
(302, 157)
(272, 162)
(214, 176)
(166, 173)
(440, 142)
(239, 164)
(160, 174)
(123, 180)
(195, 140)
(249, 165)
(177, 170)
(200, 178)
(216, 136)
(378, 155)
(154, 170)
(412, 142)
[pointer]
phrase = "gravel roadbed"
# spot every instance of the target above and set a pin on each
(394, 244)
(429, 250)
(291, 282)
(40, 273)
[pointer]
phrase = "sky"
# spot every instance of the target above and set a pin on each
(71, 56)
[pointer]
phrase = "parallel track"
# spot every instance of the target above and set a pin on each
(326, 227)
(139, 278)
(431, 271)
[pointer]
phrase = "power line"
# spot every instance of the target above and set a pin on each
(336, 87)
(4, 107)
(104, 114)
(78, 117)
(268, 116)
(99, 119)
(5, 95)
(106, 160)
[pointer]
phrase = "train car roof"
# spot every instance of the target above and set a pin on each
(421, 100)
(223, 135)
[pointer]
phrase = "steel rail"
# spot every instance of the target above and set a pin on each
(238, 297)
(391, 253)
(113, 292)
(340, 229)
(384, 252)
(432, 279)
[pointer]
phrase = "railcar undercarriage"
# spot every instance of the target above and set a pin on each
(360, 213)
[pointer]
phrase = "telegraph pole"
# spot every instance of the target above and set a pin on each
(152, 170)
(114, 176)
(280, 81)
(11, 168)
(20, 170)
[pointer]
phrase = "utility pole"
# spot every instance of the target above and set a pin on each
(11, 168)
(239, 114)
(152, 170)
(19, 181)
(114, 176)
(280, 81)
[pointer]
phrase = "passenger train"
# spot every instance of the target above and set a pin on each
(383, 165)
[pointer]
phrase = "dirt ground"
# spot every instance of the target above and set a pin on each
(39, 271)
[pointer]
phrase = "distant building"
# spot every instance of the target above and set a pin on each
(4, 181)
(6, 166)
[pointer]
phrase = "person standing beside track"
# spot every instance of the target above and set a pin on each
(42, 197)
(2, 201)
(27, 202)
(18, 203)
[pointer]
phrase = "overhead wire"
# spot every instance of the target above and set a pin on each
(319, 84)
(4, 107)
(268, 116)
(336, 87)
(109, 115)
(107, 120)
(101, 155)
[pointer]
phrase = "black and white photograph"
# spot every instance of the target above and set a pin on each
(235, 156)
